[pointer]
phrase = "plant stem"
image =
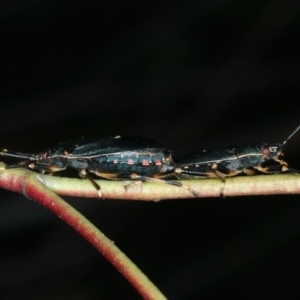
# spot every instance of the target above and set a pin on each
(26, 183)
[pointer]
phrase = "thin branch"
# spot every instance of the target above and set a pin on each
(235, 186)
(274, 184)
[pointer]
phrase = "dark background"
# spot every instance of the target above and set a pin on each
(191, 74)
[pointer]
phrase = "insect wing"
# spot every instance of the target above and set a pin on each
(209, 156)
(95, 147)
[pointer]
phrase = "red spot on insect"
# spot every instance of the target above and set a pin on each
(44, 155)
(158, 162)
(115, 161)
(266, 151)
(130, 162)
(145, 162)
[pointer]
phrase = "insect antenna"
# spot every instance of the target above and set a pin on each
(284, 142)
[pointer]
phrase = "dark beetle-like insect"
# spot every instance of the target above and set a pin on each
(118, 158)
(231, 161)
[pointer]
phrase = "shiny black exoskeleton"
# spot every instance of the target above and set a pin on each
(118, 158)
(230, 161)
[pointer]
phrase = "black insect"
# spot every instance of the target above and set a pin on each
(231, 161)
(116, 158)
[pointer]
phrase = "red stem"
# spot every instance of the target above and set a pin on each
(25, 183)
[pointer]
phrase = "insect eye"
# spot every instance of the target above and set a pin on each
(273, 149)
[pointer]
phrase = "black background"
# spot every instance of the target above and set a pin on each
(191, 74)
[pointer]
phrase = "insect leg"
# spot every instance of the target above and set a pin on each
(14, 154)
(294, 171)
(20, 164)
(248, 171)
(141, 178)
(44, 167)
(277, 169)
(84, 174)
(273, 166)
(37, 166)
(195, 173)
(214, 170)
